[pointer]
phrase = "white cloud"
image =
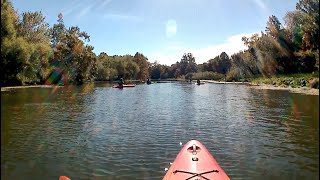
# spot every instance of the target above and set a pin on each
(72, 7)
(87, 7)
(85, 10)
(104, 3)
(171, 28)
(122, 17)
(173, 53)
(262, 5)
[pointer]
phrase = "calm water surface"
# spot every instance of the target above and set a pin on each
(98, 132)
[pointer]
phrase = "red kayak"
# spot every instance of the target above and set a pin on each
(64, 178)
(124, 86)
(193, 162)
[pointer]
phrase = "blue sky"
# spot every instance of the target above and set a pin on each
(163, 29)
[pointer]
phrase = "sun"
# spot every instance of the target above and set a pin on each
(171, 28)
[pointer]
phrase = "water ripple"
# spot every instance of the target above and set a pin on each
(98, 132)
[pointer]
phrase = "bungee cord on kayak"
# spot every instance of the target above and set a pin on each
(196, 174)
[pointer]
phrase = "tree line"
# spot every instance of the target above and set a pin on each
(32, 52)
(288, 49)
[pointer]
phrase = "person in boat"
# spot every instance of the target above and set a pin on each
(121, 82)
(148, 81)
(198, 81)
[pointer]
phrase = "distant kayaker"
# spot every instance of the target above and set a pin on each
(121, 82)
(148, 81)
(198, 81)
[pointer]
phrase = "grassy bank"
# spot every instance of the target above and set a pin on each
(310, 80)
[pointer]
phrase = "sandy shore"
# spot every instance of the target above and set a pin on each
(302, 90)
(33, 86)
(222, 82)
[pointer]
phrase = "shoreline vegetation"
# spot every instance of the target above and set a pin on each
(303, 84)
(280, 57)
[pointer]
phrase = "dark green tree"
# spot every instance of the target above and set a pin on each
(188, 64)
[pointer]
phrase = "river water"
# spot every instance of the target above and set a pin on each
(95, 131)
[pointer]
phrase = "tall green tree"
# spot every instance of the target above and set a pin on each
(303, 29)
(10, 66)
(274, 27)
(155, 70)
(220, 64)
(105, 68)
(20, 57)
(310, 28)
(33, 28)
(187, 64)
(76, 59)
(143, 64)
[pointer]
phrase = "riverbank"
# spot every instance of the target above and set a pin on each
(288, 83)
(33, 86)
(296, 83)
(301, 90)
(223, 82)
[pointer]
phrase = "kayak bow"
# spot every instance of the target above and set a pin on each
(64, 178)
(194, 161)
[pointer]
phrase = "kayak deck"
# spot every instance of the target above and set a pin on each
(194, 161)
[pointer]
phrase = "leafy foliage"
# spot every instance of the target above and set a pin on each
(33, 52)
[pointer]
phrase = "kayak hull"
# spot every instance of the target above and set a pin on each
(194, 161)
(124, 86)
